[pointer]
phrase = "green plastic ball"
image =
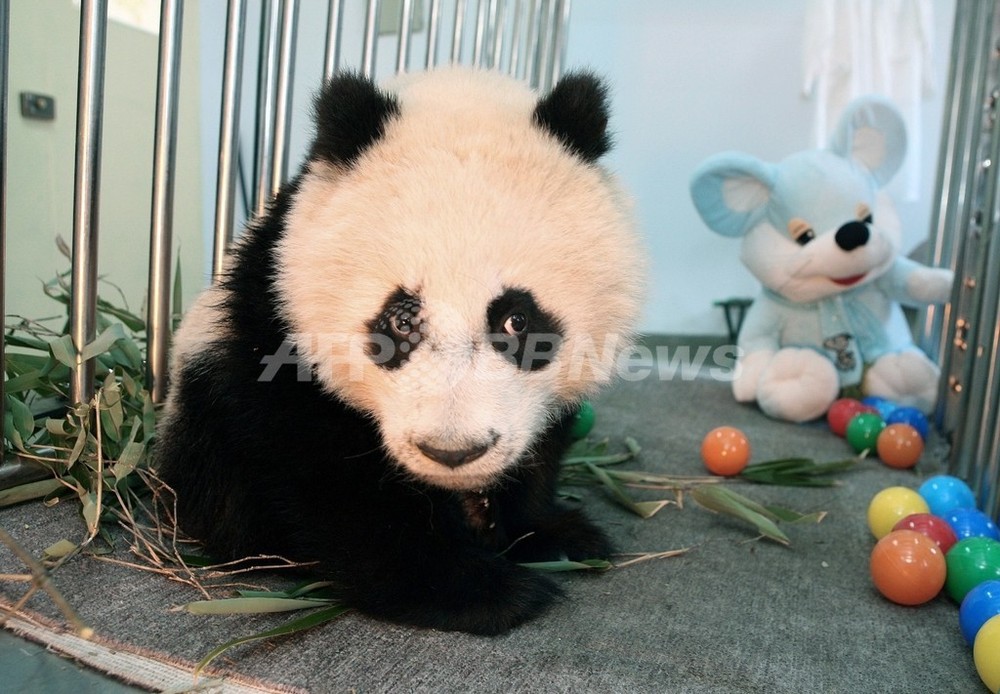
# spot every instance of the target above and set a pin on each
(970, 562)
(583, 420)
(863, 431)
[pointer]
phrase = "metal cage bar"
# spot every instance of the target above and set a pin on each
(334, 31)
(283, 95)
(159, 313)
(86, 198)
(4, 57)
(267, 86)
(229, 137)
(368, 49)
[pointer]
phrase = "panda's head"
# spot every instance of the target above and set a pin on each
(456, 264)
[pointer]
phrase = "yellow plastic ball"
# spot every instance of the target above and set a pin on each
(986, 653)
(890, 506)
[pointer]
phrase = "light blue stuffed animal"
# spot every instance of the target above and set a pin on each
(823, 239)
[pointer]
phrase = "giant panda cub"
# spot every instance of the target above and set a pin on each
(383, 382)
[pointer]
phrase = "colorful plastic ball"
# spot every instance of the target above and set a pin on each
(912, 416)
(944, 493)
(986, 653)
(981, 604)
(908, 567)
(970, 522)
(583, 420)
(932, 526)
(970, 562)
(890, 506)
(882, 406)
(841, 412)
(863, 431)
(899, 446)
(725, 451)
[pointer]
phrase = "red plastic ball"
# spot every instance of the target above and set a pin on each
(908, 567)
(841, 412)
(932, 526)
(725, 451)
(899, 446)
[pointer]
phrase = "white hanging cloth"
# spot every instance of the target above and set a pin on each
(857, 47)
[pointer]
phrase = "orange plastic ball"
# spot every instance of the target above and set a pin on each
(725, 451)
(900, 446)
(908, 567)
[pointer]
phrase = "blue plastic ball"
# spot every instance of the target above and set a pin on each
(970, 522)
(978, 605)
(912, 416)
(944, 493)
(883, 406)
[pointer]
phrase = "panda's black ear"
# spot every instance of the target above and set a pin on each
(351, 114)
(576, 112)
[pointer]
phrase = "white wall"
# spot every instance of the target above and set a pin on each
(43, 59)
(695, 77)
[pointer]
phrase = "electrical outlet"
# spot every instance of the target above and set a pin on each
(38, 106)
(389, 15)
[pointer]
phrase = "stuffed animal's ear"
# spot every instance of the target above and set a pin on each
(872, 133)
(731, 190)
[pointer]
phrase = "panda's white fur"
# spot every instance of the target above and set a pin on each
(361, 390)
(505, 205)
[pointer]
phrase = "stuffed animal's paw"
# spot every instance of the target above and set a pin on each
(930, 285)
(907, 378)
(797, 385)
(747, 375)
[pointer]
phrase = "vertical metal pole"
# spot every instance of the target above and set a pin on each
(499, 22)
(405, 27)
(158, 320)
(531, 44)
(86, 196)
(433, 32)
(458, 31)
(545, 46)
(4, 54)
(561, 40)
(267, 77)
(283, 103)
(225, 184)
(516, 38)
(334, 22)
(371, 39)
(478, 45)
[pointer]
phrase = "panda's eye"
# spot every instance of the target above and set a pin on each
(515, 324)
(402, 323)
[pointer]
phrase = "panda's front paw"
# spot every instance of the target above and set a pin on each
(565, 534)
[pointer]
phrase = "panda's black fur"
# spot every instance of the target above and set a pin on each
(283, 466)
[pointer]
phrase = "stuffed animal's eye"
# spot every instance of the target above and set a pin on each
(515, 324)
(800, 230)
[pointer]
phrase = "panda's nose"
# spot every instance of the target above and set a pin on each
(454, 457)
(852, 235)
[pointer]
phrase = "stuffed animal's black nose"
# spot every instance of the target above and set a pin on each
(453, 457)
(852, 235)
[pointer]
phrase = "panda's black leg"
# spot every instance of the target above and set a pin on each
(460, 590)
(564, 533)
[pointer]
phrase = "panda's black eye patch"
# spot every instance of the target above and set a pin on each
(396, 331)
(523, 332)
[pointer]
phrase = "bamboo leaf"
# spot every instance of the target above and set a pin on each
(644, 509)
(131, 454)
(721, 500)
(252, 605)
(21, 417)
(299, 624)
(29, 491)
(59, 549)
(102, 343)
(567, 565)
(63, 350)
